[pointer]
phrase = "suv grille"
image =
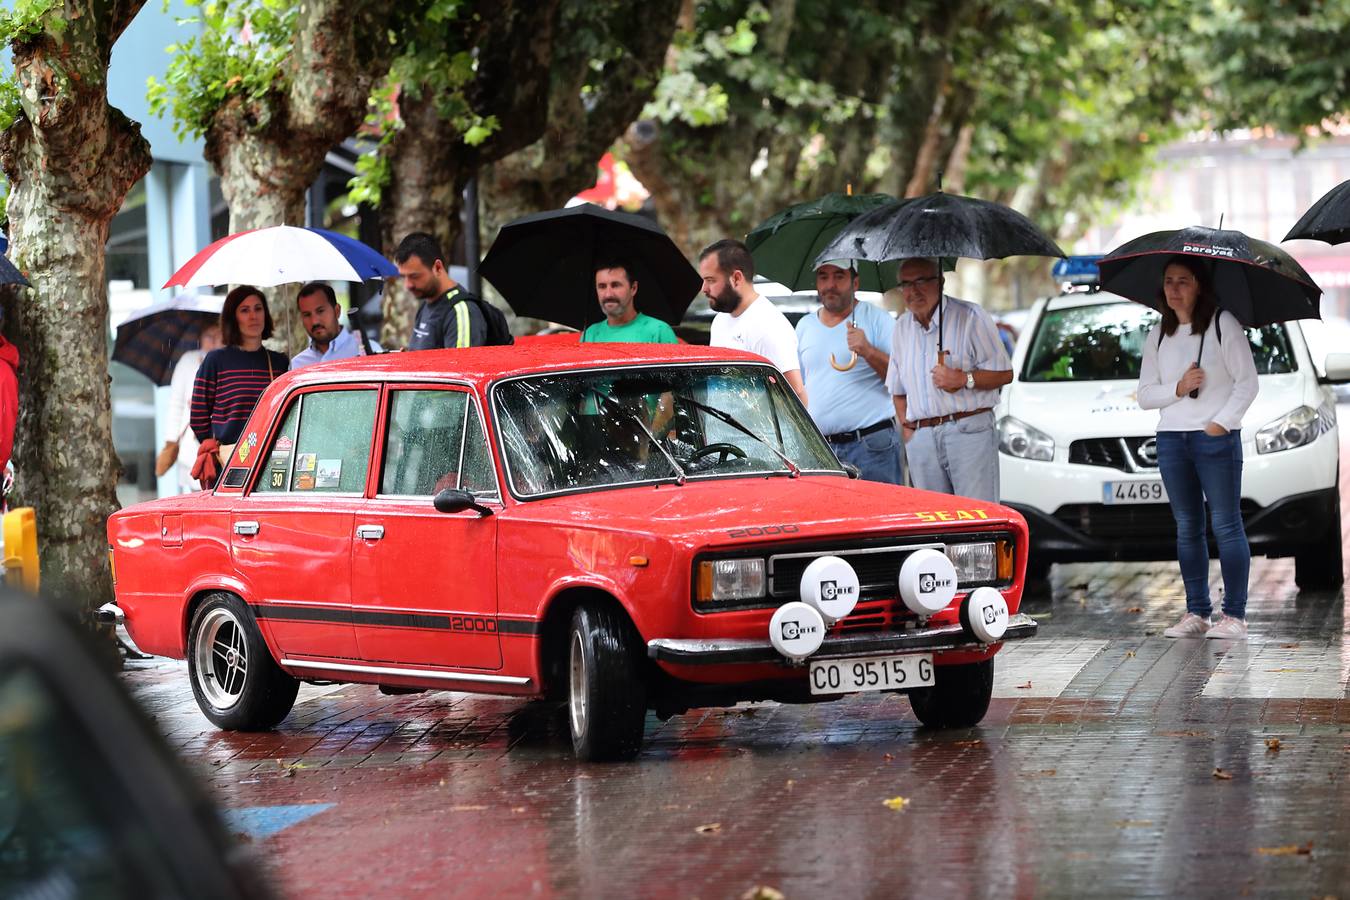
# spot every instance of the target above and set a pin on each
(1142, 522)
(1130, 454)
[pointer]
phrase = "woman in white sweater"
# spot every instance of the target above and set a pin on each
(1197, 369)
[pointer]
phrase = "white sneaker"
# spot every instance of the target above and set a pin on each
(1228, 628)
(1190, 625)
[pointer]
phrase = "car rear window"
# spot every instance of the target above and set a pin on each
(1104, 342)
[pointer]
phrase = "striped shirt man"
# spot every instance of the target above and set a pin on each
(228, 386)
(971, 340)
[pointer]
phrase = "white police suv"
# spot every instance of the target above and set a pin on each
(1078, 457)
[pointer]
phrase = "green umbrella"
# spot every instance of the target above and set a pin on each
(786, 244)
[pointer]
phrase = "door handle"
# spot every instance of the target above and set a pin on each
(370, 532)
(246, 528)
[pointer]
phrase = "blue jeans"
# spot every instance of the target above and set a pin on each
(1200, 469)
(877, 455)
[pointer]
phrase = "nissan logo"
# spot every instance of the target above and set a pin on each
(1148, 452)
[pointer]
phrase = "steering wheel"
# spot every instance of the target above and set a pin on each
(726, 450)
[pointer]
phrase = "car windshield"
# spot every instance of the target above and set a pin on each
(578, 431)
(1103, 342)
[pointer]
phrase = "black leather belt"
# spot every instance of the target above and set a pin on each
(845, 437)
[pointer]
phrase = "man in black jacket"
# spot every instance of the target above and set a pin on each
(449, 315)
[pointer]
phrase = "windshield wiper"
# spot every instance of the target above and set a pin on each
(610, 402)
(794, 470)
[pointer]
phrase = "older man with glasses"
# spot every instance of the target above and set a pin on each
(947, 365)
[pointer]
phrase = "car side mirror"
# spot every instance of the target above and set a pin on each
(853, 471)
(1337, 368)
(451, 500)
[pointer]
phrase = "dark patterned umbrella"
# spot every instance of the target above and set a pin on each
(152, 340)
(10, 274)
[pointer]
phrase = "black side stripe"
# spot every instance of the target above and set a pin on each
(466, 624)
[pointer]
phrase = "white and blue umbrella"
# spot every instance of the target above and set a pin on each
(282, 254)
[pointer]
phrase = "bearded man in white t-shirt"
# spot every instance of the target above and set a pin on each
(745, 320)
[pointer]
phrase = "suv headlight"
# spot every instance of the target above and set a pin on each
(1302, 426)
(1017, 438)
(730, 579)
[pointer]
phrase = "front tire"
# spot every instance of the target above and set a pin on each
(237, 683)
(606, 696)
(1321, 565)
(958, 699)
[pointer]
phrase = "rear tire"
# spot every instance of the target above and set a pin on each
(607, 697)
(1321, 566)
(958, 699)
(237, 683)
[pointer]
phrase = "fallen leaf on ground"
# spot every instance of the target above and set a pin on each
(1289, 646)
(888, 756)
(1222, 775)
(711, 828)
(1135, 609)
(896, 802)
(1129, 653)
(1273, 745)
(467, 807)
(1290, 850)
(791, 783)
(1044, 773)
(517, 809)
(1133, 823)
(1023, 687)
(762, 892)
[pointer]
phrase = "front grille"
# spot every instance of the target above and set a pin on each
(1129, 454)
(876, 615)
(1143, 522)
(878, 568)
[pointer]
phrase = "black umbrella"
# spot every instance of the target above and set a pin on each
(152, 340)
(940, 225)
(786, 244)
(543, 264)
(1254, 280)
(1326, 220)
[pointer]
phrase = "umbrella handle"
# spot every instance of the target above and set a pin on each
(354, 317)
(1196, 393)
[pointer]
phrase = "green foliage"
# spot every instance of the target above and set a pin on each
(436, 61)
(27, 20)
(240, 54)
(1280, 63)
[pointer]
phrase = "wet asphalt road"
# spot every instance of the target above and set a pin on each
(1113, 762)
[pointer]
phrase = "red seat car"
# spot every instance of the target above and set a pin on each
(626, 527)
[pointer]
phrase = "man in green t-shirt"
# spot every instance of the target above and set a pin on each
(616, 290)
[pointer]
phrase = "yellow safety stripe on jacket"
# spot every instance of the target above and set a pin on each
(462, 330)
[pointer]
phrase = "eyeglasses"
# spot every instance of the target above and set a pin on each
(916, 283)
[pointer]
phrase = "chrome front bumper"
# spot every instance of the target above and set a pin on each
(746, 650)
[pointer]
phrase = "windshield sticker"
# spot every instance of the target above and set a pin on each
(246, 446)
(306, 462)
(304, 481)
(329, 473)
(284, 444)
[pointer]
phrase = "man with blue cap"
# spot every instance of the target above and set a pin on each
(844, 348)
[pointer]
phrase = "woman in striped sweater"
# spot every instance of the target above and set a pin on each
(231, 379)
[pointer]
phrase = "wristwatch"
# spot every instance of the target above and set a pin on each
(970, 381)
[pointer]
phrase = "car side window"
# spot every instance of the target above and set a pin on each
(323, 446)
(434, 441)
